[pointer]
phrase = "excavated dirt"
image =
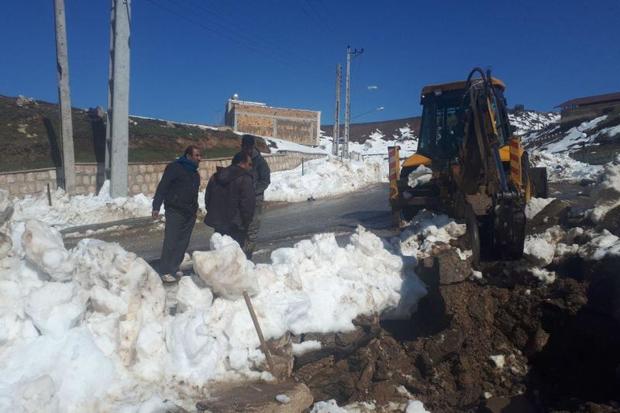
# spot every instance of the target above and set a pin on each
(504, 343)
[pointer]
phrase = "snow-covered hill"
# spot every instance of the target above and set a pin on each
(529, 121)
(593, 132)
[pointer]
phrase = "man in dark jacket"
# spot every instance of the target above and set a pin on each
(262, 179)
(230, 199)
(178, 190)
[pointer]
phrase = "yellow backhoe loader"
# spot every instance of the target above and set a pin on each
(470, 165)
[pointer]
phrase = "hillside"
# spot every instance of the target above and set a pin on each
(390, 128)
(595, 141)
(30, 138)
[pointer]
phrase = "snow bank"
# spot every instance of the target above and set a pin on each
(321, 178)
(428, 232)
(67, 211)
(87, 329)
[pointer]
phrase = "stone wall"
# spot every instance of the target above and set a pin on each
(143, 178)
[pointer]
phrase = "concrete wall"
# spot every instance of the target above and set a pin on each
(143, 178)
(300, 126)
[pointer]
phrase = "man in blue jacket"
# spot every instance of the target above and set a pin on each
(178, 190)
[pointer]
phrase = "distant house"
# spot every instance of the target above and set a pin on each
(576, 110)
(295, 125)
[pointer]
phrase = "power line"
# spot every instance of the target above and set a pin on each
(221, 20)
(225, 34)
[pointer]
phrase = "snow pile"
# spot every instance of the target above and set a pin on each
(535, 205)
(419, 176)
(67, 211)
(429, 232)
(87, 329)
(541, 249)
(561, 167)
(528, 121)
(600, 246)
(331, 406)
(78, 326)
(321, 178)
(229, 274)
(552, 245)
(609, 196)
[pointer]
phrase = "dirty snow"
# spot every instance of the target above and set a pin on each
(419, 176)
(305, 347)
(545, 248)
(427, 232)
(535, 205)
(609, 196)
(561, 167)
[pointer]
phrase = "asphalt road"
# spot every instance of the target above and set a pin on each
(282, 224)
(285, 224)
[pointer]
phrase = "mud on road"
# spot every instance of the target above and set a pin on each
(504, 343)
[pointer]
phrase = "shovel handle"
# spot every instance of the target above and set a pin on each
(263, 344)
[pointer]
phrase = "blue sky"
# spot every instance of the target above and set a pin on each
(189, 56)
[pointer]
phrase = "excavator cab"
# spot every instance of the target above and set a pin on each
(442, 124)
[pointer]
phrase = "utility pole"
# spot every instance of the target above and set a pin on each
(64, 96)
(108, 122)
(347, 113)
(119, 125)
(336, 129)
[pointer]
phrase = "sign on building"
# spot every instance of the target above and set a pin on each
(295, 125)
